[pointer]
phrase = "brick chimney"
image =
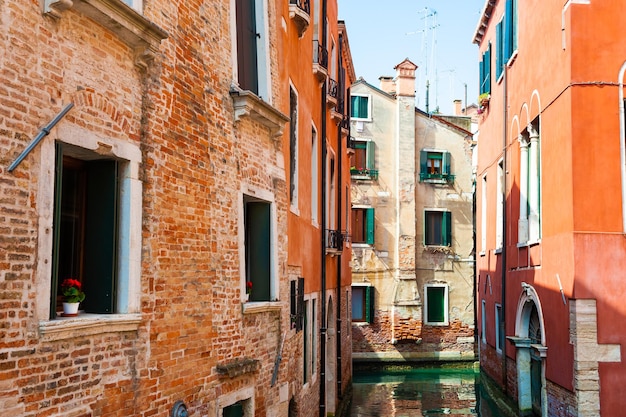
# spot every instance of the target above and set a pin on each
(458, 111)
(405, 78)
(387, 84)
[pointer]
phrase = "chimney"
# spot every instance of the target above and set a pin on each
(457, 107)
(405, 78)
(387, 84)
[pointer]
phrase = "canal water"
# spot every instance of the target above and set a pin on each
(425, 391)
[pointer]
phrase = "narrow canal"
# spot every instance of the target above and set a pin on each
(425, 391)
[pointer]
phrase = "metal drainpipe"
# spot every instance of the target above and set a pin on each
(504, 219)
(339, 201)
(323, 237)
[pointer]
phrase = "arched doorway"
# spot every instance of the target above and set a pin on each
(331, 359)
(531, 352)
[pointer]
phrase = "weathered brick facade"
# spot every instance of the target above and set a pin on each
(154, 89)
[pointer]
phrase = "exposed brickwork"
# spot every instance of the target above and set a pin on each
(196, 162)
(411, 336)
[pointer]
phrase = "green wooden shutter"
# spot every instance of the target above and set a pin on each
(369, 304)
(487, 87)
(293, 299)
(508, 30)
(499, 50)
(258, 249)
(100, 265)
(369, 151)
(481, 75)
(423, 163)
(436, 304)
(356, 106)
(56, 227)
(446, 229)
(300, 305)
(369, 226)
(445, 163)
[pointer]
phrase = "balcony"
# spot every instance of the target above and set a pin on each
(320, 61)
(436, 178)
(332, 92)
(300, 13)
(363, 174)
(334, 241)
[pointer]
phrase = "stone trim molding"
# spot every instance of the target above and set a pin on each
(587, 355)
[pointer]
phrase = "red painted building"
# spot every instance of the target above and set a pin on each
(551, 201)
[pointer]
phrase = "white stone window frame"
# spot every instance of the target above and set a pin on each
(249, 191)
(369, 108)
(128, 297)
(311, 334)
(294, 207)
(498, 318)
(244, 395)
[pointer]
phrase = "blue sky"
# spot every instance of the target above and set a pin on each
(435, 35)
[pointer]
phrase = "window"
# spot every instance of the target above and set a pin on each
(363, 303)
(331, 192)
(437, 228)
(310, 340)
(436, 304)
(483, 322)
(314, 178)
(362, 225)
(363, 160)
(529, 225)
(435, 166)
(86, 201)
(258, 248)
(499, 327)
(293, 148)
(306, 345)
(483, 215)
(506, 36)
(360, 107)
(95, 215)
(297, 310)
(135, 4)
(234, 410)
(500, 205)
(252, 47)
(485, 72)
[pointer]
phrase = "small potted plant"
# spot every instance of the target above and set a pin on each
(72, 296)
(248, 289)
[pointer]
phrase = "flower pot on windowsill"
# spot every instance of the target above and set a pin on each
(70, 309)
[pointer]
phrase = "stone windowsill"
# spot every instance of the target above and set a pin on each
(86, 324)
(140, 34)
(248, 104)
(252, 307)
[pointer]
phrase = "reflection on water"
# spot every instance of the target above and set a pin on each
(424, 391)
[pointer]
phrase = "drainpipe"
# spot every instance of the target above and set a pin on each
(340, 90)
(622, 145)
(504, 219)
(323, 328)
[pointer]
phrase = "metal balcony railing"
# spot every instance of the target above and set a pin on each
(332, 88)
(351, 142)
(369, 173)
(334, 239)
(425, 176)
(303, 5)
(320, 54)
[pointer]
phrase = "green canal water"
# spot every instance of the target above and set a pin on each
(425, 391)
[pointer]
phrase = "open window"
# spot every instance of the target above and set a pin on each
(258, 248)
(362, 225)
(435, 166)
(363, 160)
(85, 228)
(437, 228)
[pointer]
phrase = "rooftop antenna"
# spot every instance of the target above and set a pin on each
(428, 36)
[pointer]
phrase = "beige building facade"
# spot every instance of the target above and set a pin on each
(411, 229)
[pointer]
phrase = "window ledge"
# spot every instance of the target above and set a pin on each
(248, 104)
(498, 251)
(143, 36)
(254, 307)
(87, 325)
(299, 13)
